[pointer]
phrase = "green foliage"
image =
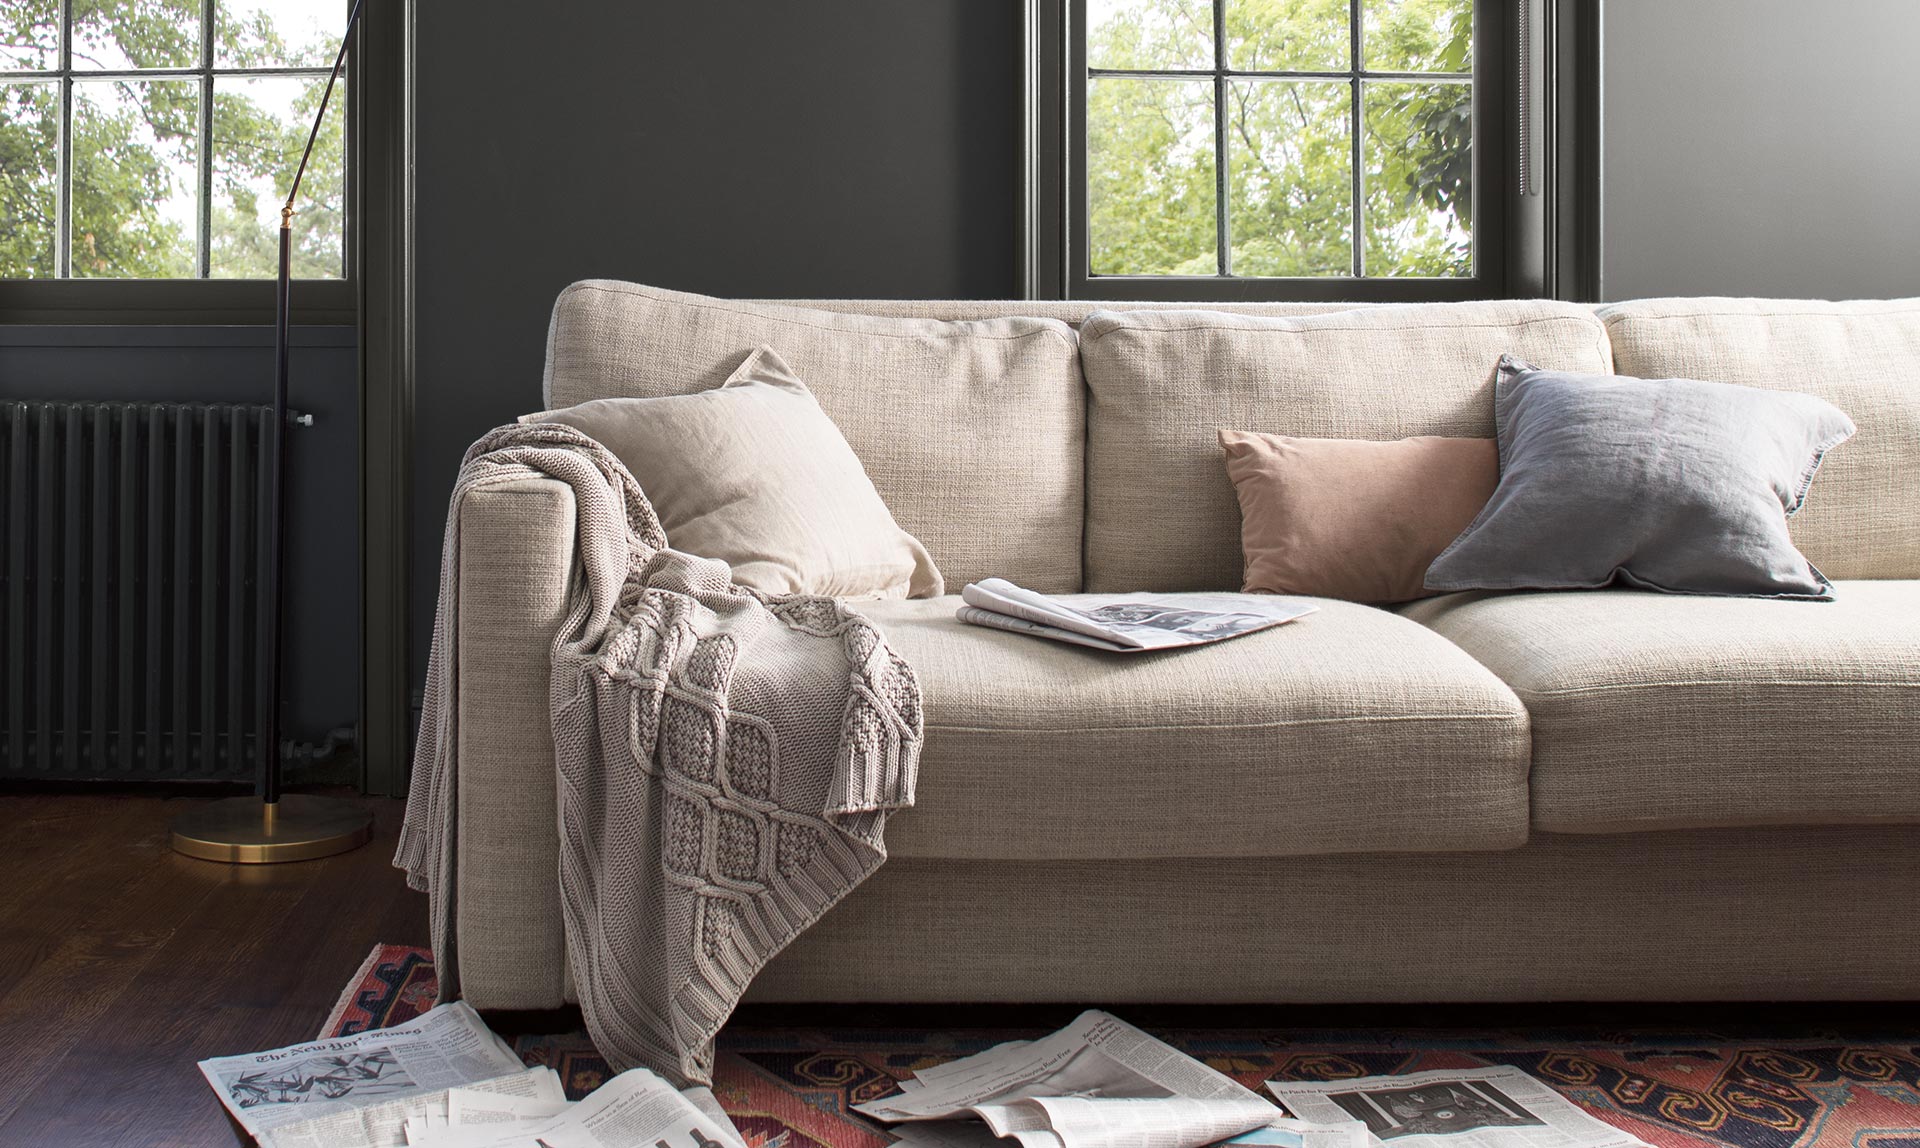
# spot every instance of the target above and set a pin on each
(29, 131)
(1150, 148)
(1150, 178)
(135, 146)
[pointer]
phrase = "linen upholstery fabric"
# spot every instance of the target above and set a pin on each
(753, 473)
(1352, 518)
(1863, 521)
(726, 760)
(973, 432)
(1670, 484)
(1748, 913)
(1161, 513)
(516, 557)
(506, 907)
(1653, 711)
(1348, 730)
(1716, 915)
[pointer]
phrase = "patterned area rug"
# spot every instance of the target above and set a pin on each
(794, 1088)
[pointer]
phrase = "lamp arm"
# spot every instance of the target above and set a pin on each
(286, 212)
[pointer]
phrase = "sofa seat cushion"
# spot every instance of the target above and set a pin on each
(1659, 712)
(1350, 730)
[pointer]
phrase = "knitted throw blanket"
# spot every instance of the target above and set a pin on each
(726, 760)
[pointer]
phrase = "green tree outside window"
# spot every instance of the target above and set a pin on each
(143, 167)
(1288, 148)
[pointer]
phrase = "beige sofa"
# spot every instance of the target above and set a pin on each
(1596, 795)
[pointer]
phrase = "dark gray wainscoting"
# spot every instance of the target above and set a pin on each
(235, 364)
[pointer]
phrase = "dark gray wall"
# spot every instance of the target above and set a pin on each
(857, 148)
(1762, 147)
(235, 365)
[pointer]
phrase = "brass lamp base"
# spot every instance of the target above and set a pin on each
(247, 831)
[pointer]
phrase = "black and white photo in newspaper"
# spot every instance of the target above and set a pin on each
(1499, 1107)
(446, 1047)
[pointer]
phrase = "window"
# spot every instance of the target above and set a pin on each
(156, 139)
(1312, 149)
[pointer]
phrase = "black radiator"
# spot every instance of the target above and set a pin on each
(130, 567)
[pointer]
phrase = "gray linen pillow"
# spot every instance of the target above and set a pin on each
(1669, 484)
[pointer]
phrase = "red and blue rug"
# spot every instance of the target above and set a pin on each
(795, 1088)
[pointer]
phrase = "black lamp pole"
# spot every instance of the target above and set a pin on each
(269, 826)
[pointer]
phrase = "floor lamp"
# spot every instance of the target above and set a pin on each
(270, 826)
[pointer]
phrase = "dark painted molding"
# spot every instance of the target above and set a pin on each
(381, 119)
(1576, 100)
(201, 302)
(1041, 205)
(151, 335)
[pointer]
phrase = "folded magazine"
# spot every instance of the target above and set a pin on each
(1125, 623)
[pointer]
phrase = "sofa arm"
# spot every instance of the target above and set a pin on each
(516, 557)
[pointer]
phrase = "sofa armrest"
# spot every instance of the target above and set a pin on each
(516, 557)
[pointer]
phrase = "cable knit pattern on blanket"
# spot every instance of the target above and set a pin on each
(726, 762)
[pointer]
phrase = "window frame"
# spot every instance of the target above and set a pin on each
(1508, 260)
(63, 299)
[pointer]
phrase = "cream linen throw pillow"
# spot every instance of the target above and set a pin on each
(755, 474)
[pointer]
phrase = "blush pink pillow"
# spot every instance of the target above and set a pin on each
(1350, 518)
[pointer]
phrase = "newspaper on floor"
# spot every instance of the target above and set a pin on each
(1125, 623)
(385, 1125)
(471, 1107)
(1453, 1108)
(1287, 1132)
(1098, 1083)
(448, 1047)
(635, 1109)
(475, 1120)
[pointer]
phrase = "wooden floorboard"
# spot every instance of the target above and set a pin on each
(123, 963)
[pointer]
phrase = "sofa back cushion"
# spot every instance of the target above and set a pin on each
(1161, 511)
(973, 432)
(1862, 517)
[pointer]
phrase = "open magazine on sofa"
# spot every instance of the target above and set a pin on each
(1125, 623)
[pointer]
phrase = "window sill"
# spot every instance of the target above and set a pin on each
(1214, 289)
(178, 301)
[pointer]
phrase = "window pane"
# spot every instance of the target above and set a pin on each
(1149, 35)
(1419, 165)
(29, 34)
(1150, 177)
(1419, 35)
(259, 129)
(1290, 159)
(1289, 35)
(278, 33)
(29, 179)
(122, 34)
(134, 186)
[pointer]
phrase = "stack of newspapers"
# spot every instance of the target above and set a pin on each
(1125, 623)
(445, 1080)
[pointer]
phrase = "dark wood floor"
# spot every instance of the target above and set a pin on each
(123, 963)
